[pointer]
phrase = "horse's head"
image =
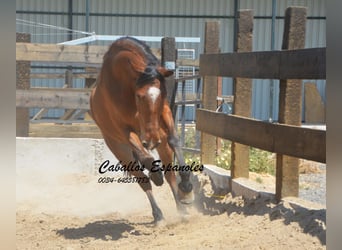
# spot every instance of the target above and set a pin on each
(150, 95)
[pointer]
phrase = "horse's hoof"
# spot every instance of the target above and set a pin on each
(157, 178)
(160, 223)
(183, 212)
(185, 217)
(185, 186)
(158, 219)
(185, 198)
(182, 209)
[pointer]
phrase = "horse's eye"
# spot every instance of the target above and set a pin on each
(139, 97)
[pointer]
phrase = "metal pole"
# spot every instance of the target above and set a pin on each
(183, 114)
(272, 81)
(274, 10)
(70, 19)
(236, 9)
(87, 16)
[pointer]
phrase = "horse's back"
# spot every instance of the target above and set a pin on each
(112, 100)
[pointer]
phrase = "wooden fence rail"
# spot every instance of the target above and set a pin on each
(62, 75)
(277, 138)
(90, 55)
(53, 98)
(286, 64)
(79, 54)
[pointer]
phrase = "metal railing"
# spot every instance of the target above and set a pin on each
(185, 100)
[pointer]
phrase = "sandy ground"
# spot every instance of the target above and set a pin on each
(73, 211)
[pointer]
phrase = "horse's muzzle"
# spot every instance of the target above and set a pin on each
(150, 145)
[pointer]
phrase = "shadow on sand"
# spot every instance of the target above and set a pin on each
(312, 221)
(104, 230)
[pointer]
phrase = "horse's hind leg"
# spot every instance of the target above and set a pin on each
(185, 188)
(165, 154)
(145, 184)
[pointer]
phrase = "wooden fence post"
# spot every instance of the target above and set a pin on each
(168, 60)
(23, 82)
(242, 91)
(290, 103)
(314, 105)
(90, 83)
(68, 84)
(211, 45)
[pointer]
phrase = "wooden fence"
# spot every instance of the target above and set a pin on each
(74, 101)
(287, 139)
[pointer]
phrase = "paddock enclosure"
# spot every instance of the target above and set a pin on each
(63, 202)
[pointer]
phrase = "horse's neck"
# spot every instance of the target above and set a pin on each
(120, 94)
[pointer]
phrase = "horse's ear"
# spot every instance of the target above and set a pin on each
(168, 73)
(164, 72)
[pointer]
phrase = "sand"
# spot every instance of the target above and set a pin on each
(73, 211)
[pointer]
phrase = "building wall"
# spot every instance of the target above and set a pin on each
(180, 18)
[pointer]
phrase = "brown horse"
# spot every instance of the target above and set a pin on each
(129, 106)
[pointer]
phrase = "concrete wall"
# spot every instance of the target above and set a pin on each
(60, 176)
(62, 154)
(56, 156)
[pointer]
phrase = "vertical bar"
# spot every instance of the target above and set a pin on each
(236, 9)
(90, 82)
(168, 60)
(68, 77)
(68, 84)
(23, 82)
(274, 13)
(290, 103)
(211, 45)
(272, 81)
(183, 114)
(70, 24)
(198, 105)
(198, 91)
(87, 14)
(219, 93)
(242, 91)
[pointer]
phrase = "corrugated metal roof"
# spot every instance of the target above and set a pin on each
(42, 5)
(315, 7)
(260, 8)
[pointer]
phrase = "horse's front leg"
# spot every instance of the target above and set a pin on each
(156, 175)
(185, 188)
(145, 184)
(146, 159)
(124, 153)
(165, 152)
